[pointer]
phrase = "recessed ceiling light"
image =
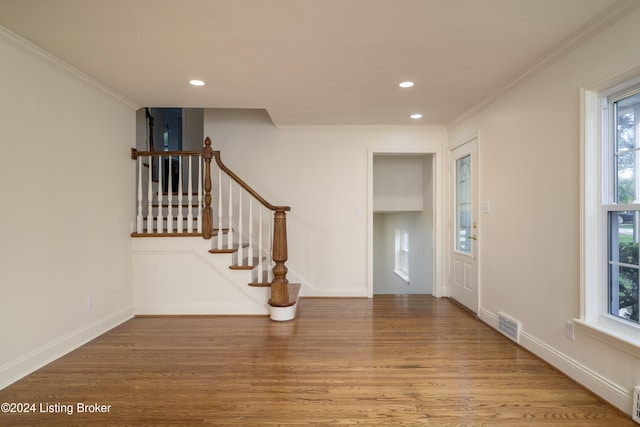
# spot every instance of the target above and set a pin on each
(416, 116)
(196, 82)
(406, 84)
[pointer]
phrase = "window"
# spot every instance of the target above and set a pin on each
(165, 138)
(402, 255)
(622, 202)
(611, 211)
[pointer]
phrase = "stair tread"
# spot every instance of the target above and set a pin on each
(260, 284)
(246, 265)
(242, 267)
(176, 205)
(231, 250)
(165, 234)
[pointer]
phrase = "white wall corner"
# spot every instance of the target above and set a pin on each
(36, 51)
(615, 13)
(36, 359)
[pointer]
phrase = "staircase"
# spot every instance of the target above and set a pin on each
(210, 202)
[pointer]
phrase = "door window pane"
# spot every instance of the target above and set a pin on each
(463, 204)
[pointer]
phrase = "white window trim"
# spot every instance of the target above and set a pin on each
(399, 243)
(594, 320)
(401, 275)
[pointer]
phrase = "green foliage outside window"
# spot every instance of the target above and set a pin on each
(628, 290)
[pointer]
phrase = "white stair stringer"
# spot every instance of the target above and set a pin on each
(178, 275)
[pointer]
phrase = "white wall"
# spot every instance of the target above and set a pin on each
(192, 127)
(397, 183)
(322, 173)
(66, 185)
(178, 275)
(529, 145)
(385, 281)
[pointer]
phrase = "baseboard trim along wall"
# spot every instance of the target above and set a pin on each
(23, 366)
(150, 309)
(612, 393)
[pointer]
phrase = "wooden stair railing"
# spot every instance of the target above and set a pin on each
(171, 189)
(151, 169)
(279, 284)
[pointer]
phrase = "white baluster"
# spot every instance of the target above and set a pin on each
(240, 228)
(180, 215)
(150, 197)
(159, 218)
(270, 260)
(250, 250)
(170, 196)
(230, 232)
(219, 209)
(200, 194)
(260, 250)
(139, 207)
(190, 200)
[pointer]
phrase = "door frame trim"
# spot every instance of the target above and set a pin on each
(447, 244)
(439, 224)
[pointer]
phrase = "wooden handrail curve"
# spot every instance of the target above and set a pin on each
(244, 185)
(279, 285)
(214, 154)
(279, 252)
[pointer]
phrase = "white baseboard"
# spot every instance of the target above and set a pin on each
(23, 366)
(595, 382)
(346, 292)
(200, 309)
(612, 393)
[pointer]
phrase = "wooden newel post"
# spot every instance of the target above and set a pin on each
(207, 213)
(280, 284)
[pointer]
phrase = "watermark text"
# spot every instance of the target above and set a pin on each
(54, 408)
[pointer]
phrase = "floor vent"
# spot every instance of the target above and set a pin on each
(636, 404)
(509, 327)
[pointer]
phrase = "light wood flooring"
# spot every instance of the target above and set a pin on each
(386, 361)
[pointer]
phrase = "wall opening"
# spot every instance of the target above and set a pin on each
(403, 203)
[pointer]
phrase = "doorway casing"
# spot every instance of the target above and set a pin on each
(440, 288)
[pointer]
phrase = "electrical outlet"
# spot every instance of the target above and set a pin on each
(570, 331)
(90, 302)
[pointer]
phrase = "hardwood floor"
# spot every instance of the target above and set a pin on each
(401, 361)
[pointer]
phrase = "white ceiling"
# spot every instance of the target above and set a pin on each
(307, 62)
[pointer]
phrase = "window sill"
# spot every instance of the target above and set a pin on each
(401, 275)
(614, 336)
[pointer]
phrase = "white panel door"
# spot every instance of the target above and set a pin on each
(464, 224)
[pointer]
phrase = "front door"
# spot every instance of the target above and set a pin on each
(464, 257)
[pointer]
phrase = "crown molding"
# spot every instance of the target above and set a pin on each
(363, 128)
(599, 24)
(32, 49)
